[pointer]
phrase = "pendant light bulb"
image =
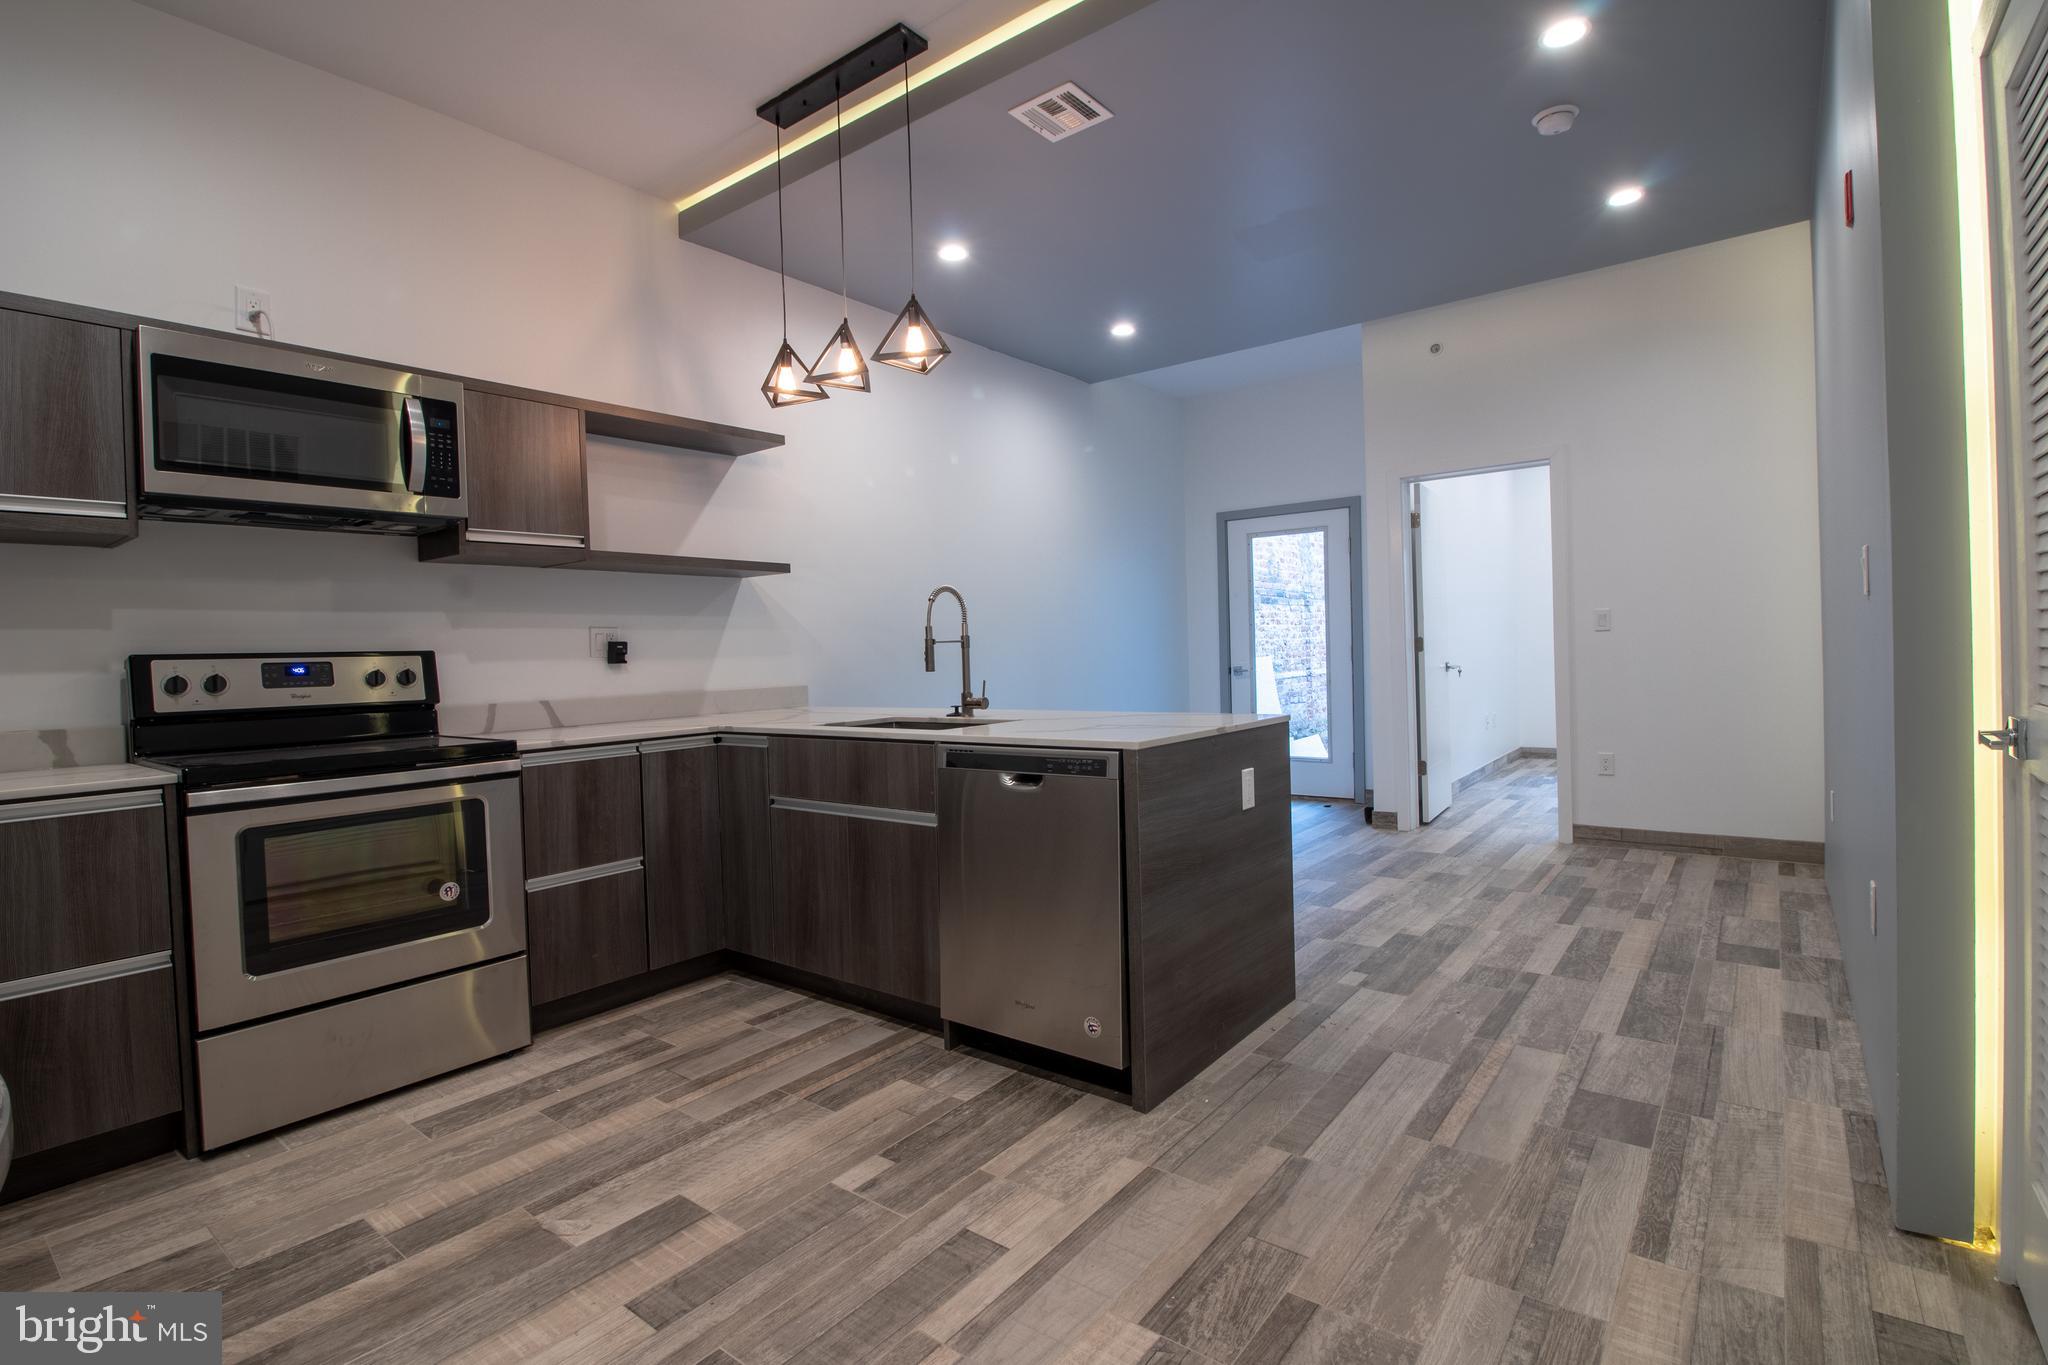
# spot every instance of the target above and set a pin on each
(841, 365)
(920, 347)
(785, 387)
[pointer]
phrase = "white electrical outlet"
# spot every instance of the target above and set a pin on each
(252, 311)
(1606, 765)
(600, 636)
(1246, 791)
(1603, 618)
(1873, 907)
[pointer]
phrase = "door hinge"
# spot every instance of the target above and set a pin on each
(1422, 766)
(2011, 741)
(1415, 521)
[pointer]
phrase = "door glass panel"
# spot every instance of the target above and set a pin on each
(1290, 636)
(216, 419)
(329, 888)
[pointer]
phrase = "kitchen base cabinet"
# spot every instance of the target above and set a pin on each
(804, 923)
(585, 934)
(85, 1060)
(745, 847)
(892, 911)
(685, 879)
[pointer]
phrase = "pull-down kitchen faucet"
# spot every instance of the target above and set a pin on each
(969, 702)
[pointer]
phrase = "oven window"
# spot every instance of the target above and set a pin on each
(250, 424)
(329, 888)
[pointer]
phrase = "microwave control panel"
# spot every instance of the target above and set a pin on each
(444, 471)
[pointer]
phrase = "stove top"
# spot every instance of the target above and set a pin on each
(221, 720)
(291, 763)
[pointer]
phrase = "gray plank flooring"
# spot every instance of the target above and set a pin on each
(1533, 1104)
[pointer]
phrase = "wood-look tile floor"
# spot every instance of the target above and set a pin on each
(1534, 1105)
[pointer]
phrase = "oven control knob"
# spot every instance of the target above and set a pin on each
(406, 677)
(374, 678)
(214, 684)
(175, 685)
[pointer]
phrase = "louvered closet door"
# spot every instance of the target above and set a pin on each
(2017, 76)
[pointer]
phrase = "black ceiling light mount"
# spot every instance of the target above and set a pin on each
(841, 365)
(911, 343)
(785, 385)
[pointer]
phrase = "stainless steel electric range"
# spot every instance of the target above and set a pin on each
(354, 884)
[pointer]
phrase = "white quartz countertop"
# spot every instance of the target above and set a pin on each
(36, 783)
(1042, 729)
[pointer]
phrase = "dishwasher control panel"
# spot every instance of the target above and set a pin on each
(1044, 762)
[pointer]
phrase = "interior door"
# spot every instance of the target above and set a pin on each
(1435, 675)
(1288, 595)
(2017, 86)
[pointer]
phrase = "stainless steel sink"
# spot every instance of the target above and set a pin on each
(909, 723)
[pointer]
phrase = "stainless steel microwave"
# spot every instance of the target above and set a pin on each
(235, 431)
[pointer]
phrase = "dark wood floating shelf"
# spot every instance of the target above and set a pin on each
(689, 566)
(448, 546)
(643, 425)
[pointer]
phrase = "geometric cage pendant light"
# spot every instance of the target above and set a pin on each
(911, 343)
(840, 365)
(785, 385)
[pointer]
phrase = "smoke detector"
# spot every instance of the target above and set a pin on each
(1558, 118)
(1061, 112)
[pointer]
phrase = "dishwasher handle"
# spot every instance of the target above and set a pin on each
(1030, 782)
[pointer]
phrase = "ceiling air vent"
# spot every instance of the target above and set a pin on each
(1061, 112)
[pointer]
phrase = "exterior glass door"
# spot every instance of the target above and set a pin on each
(1288, 596)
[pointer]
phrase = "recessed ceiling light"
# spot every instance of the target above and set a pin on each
(1566, 31)
(1123, 329)
(952, 253)
(1623, 196)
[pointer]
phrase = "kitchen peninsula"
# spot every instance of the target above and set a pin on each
(805, 844)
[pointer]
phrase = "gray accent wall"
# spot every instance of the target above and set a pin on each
(1889, 380)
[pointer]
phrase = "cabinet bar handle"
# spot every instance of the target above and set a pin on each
(583, 874)
(84, 976)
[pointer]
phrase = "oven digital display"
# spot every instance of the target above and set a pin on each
(307, 673)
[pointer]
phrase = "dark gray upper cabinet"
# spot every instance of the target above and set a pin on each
(685, 876)
(66, 431)
(523, 466)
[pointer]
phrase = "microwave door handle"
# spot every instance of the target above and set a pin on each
(412, 430)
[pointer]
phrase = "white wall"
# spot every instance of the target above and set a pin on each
(1675, 398)
(152, 165)
(1265, 444)
(1486, 605)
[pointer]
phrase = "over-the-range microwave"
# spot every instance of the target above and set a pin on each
(236, 431)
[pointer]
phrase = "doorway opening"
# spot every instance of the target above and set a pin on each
(1293, 637)
(1479, 571)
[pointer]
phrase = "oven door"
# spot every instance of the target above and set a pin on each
(229, 422)
(299, 901)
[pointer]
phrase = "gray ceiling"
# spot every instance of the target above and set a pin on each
(1275, 168)
(1290, 166)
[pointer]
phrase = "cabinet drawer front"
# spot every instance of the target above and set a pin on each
(581, 812)
(804, 923)
(745, 851)
(897, 774)
(585, 934)
(892, 930)
(63, 412)
(76, 890)
(88, 1059)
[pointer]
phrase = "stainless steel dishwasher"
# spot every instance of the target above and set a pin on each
(1031, 903)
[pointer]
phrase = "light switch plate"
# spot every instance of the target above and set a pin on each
(1603, 618)
(1246, 788)
(600, 636)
